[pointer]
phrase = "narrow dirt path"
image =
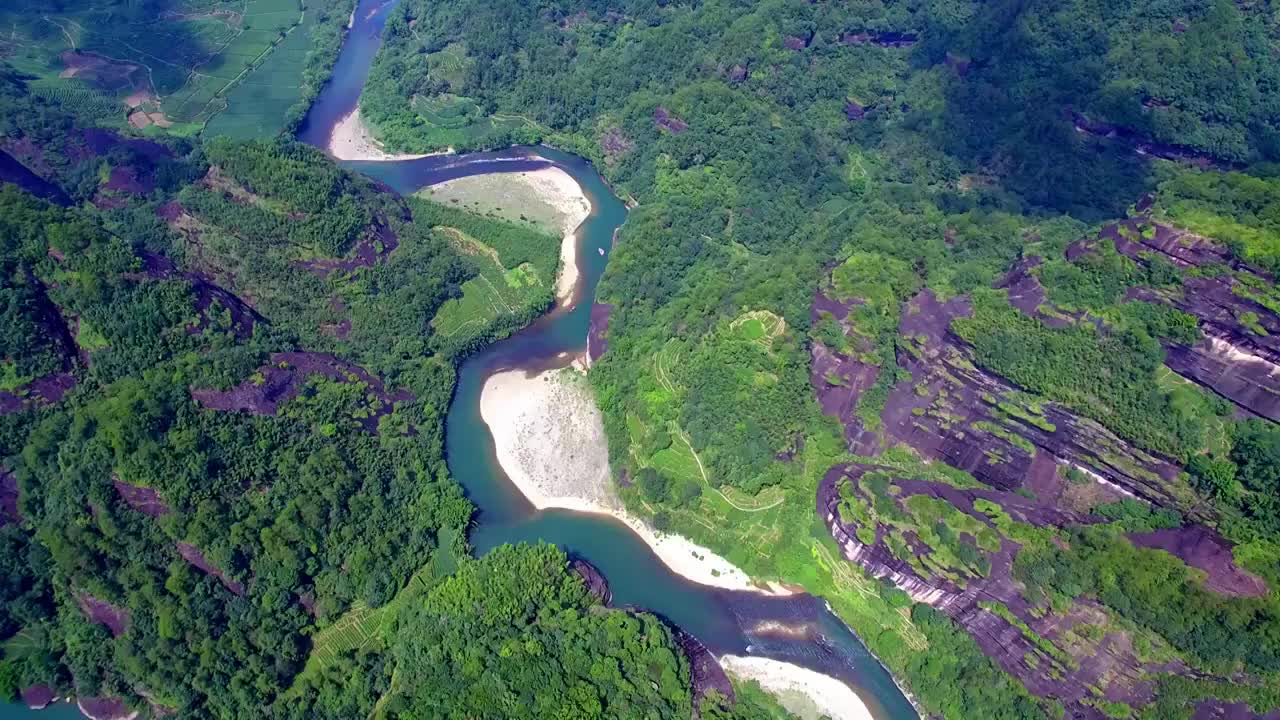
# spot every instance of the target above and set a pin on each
(705, 481)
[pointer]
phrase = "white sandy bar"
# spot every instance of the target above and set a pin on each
(558, 188)
(549, 437)
(351, 140)
(560, 193)
(804, 693)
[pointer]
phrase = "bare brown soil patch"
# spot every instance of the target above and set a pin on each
(110, 75)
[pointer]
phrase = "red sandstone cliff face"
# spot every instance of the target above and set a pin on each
(953, 411)
(1234, 360)
(1077, 669)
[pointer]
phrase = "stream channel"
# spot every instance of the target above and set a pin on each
(725, 621)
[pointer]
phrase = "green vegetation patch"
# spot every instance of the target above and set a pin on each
(1108, 377)
(514, 272)
(1234, 208)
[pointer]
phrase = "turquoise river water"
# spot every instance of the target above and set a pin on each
(725, 621)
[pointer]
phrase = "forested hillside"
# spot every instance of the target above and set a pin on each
(223, 491)
(993, 283)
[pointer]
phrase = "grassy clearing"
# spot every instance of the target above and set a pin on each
(760, 326)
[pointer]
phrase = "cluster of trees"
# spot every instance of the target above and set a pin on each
(514, 634)
(1189, 74)
(1245, 479)
(517, 633)
(292, 515)
(1235, 208)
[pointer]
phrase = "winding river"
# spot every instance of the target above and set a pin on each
(726, 621)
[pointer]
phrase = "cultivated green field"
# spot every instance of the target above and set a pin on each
(496, 294)
(173, 65)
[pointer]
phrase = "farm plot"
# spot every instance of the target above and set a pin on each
(457, 121)
(449, 64)
(496, 293)
(173, 65)
(257, 105)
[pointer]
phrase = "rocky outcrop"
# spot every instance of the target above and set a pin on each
(664, 120)
(839, 379)
(143, 499)
(373, 246)
(954, 411)
(1071, 671)
(598, 331)
(1139, 144)
(105, 708)
(1222, 710)
(596, 583)
(1206, 550)
(104, 613)
(281, 381)
(1235, 359)
(704, 670)
(47, 390)
(51, 388)
(12, 171)
(159, 267)
(37, 697)
(1027, 294)
(192, 554)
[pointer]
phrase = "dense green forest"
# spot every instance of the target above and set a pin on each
(904, 160)
(222, 424)
(1021, 252)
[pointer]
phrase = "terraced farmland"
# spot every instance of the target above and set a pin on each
(176, 68)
